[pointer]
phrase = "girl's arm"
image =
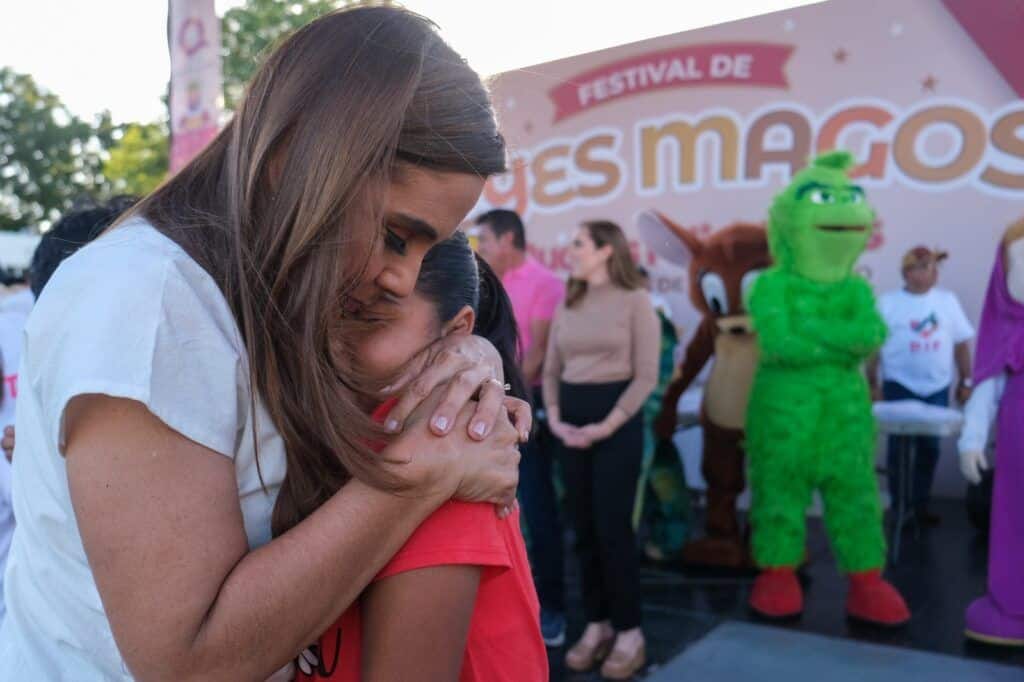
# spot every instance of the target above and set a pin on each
(415, 624)
(162, 528)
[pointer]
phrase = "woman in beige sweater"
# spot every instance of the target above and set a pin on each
(601, 365)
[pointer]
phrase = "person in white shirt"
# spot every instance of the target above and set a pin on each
(15, 303)
(194, 486)
(75, 228)
(928, 334)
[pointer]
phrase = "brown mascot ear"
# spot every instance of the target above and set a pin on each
(667, 239)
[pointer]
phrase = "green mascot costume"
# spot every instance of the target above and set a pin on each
(809, 421)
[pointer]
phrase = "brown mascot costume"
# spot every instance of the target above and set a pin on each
(721, 268)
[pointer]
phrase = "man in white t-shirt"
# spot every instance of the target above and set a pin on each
(928, 334)
(15, 304)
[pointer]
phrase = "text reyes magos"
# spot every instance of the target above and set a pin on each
(669, 153)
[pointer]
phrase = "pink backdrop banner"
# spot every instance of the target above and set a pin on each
(928, 105)
(748, 64)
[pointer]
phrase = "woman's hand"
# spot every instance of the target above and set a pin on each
(569, 434)
(456, 465)
(471, 369)
(596, 432)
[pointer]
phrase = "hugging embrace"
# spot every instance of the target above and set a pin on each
(248, 418)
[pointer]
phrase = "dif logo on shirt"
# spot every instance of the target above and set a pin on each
(925, 329)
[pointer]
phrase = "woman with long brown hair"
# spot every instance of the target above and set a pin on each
(601, 365)
(195, 489)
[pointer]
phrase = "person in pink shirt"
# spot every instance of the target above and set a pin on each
(535, 292)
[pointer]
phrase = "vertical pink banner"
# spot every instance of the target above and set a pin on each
(195, 77)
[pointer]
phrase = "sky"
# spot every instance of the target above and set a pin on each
(112, 54)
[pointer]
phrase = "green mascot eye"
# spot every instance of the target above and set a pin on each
(822, 196)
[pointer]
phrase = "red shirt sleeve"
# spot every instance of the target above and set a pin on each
(465, 533)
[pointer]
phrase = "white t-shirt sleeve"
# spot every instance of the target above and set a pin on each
(961, 327)
(155, 332)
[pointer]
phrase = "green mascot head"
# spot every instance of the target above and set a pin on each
(819, 225)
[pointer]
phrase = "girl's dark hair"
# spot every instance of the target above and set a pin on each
(621, 268)
(284, 210)
(453, 276)
(76, 228)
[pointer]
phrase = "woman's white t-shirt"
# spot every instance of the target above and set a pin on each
(131, 316)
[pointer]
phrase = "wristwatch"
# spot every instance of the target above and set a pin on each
(967, 382)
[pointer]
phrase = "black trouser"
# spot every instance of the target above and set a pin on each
(540, 510)
(600, 485)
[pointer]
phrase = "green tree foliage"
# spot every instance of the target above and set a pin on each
(48, 156)
(138, 159)
(248, 31)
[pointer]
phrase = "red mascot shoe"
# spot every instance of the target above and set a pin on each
(873, 600)
(777, 594)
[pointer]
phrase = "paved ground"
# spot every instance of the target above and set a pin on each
(939, 573)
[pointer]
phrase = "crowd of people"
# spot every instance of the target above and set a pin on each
(272, 418)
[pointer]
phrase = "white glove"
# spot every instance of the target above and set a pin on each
(972, 463)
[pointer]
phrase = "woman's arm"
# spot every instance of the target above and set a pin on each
(646, 343)
(415, 624)
(162, 528)
(645, 332)
(551, 377)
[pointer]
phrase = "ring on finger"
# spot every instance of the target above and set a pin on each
(505, 387)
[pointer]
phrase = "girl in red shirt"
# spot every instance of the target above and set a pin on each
(457, 601)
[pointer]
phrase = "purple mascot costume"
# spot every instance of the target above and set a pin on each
(998, 617)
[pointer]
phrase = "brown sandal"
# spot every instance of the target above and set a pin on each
(581, 657)
(622, 666)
